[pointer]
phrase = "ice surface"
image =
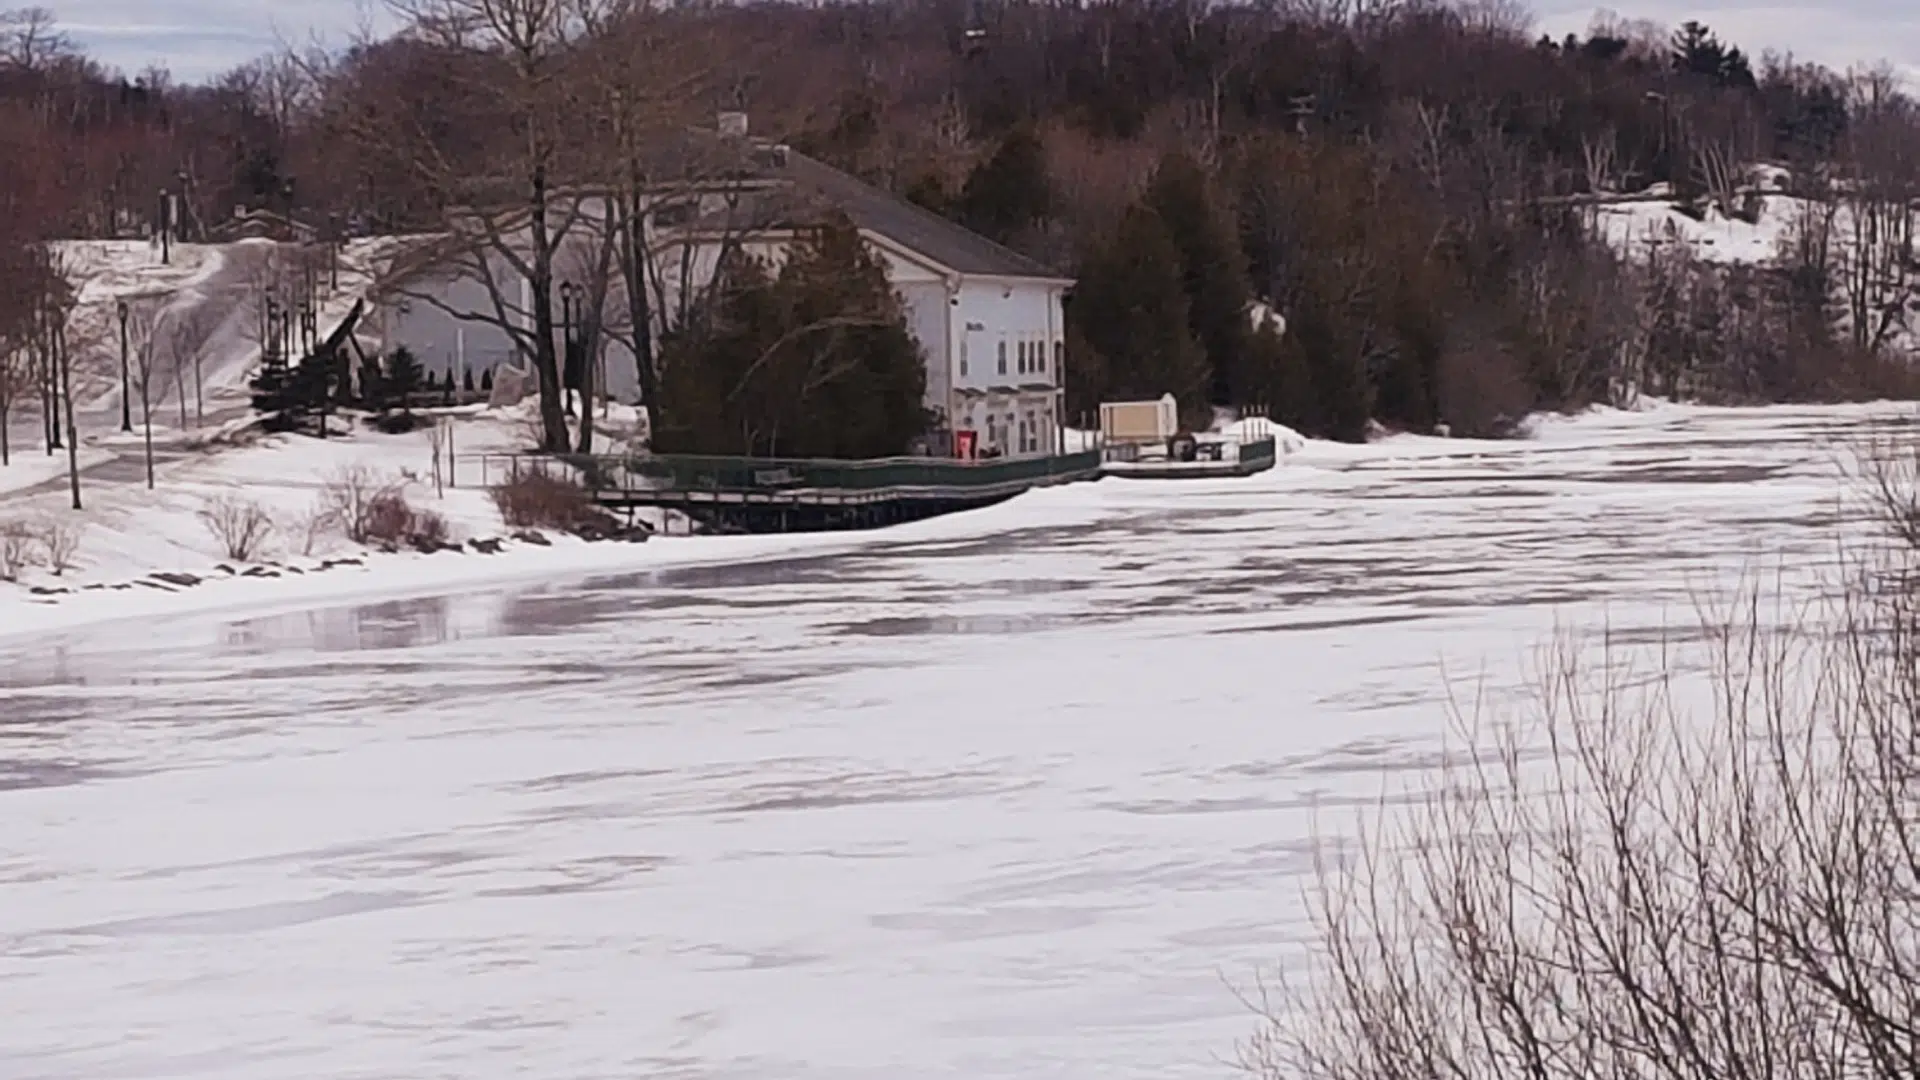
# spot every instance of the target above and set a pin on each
(1020, 793)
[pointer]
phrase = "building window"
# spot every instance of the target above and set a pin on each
(1059, 358)
(1003, 356)
(963, 359)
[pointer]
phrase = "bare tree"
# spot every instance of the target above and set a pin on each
(1615, 885)
(59, 543)
(512, 58)
(242, 527)
(187, 328)
(144, 346)
(1879, 190)
(30, 38)
(13, 370)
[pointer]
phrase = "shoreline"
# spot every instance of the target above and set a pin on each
(382, 576)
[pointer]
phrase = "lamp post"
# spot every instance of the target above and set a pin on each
(126, 394)
(334, 240)
(567, 294)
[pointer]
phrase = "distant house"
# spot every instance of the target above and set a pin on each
(989, 319)
(261, 224)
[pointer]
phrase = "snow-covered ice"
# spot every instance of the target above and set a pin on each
(1018, 793)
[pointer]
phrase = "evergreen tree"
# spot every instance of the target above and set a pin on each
(468, 381)
(1213, 271)
(1010, 191)
(404, 378)
(1130, 309)
(273, 394)
(1696, 50)
(1335, 353)
(373, 385)
(929, 192)
(486, 381)
(815, 362)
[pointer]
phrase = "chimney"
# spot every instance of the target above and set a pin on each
(733, 124)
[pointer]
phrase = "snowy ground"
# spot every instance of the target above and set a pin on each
(1016, 793)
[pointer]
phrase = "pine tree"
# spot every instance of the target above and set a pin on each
(405, 377)
(486, 381)
(468, 381)
(1010, 191)
(273, 394)
(373, 385)
(1130, 308)
(1213, 271)
(814, 362)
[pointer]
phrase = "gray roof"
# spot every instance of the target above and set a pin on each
(912, 227)
(813, 187)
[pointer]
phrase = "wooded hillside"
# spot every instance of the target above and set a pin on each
(1397, 180)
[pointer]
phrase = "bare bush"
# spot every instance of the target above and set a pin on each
(392, 522)
(315, 525)
(242, 527)
(16, 549)
(430, 529)
(354, 495)
(388, 520)
(539, 500)
(59, 543)
(1616, 885)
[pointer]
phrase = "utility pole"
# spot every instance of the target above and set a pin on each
(126, 396)
(66, 391)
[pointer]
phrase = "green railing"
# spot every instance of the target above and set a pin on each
(771, 476)
(1258, 456)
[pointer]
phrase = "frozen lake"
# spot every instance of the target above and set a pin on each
(1016, 795)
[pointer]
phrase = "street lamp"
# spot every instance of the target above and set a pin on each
(568, 304)
(166, 226)
(126, 395)
(333, 251)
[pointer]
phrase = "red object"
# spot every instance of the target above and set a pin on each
(964, 444)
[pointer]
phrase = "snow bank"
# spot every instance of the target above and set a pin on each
(1635, 228)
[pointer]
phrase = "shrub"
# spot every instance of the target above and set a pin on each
(388, 519)
(242, 527)
(392, 522)
(430, 530)
(350, 496)
(398, 423)
(318, 521)
(16, 549)
(59, 543)
(1610, 884)
(539, 500)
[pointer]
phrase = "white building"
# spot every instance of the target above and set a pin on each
(989, 319)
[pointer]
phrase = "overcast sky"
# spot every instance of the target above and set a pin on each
(197, 38)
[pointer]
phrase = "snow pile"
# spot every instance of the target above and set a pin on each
(1639, 229)
(1254, 428)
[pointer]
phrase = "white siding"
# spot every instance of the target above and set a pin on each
(926, 310)
(1007, 374)
(966, 326)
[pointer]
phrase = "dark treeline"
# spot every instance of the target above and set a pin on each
(1398, 182)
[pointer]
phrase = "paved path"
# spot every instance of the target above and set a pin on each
(228, 352)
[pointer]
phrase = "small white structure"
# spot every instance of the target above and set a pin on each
(1139, 422)
(989, 319)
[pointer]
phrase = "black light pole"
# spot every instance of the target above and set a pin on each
(333, 252)
(566, 338)
(126, 394)
(165, 226)
(266, 328)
